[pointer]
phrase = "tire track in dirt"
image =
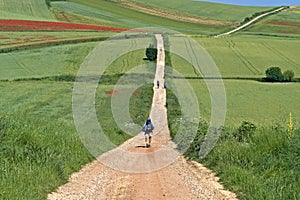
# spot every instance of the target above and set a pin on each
(279, 53)
(242, 58)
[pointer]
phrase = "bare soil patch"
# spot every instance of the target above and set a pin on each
(285, 23)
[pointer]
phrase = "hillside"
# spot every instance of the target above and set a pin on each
(285, 23)
(30, 9)
(205, 10)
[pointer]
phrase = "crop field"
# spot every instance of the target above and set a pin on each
(29, 9)
(12, 41)
(117, 14)
(228, 13)
(93, 14)
(22, 34)
(43, 62)
(64, 16)
(250, 56)
(248, 99)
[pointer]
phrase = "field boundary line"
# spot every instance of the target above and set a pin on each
(51, 43)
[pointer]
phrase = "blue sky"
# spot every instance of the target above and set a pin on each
(258, 2)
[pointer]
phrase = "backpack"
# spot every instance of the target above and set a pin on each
(148, 128)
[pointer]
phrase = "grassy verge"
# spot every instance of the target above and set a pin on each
(39, 144)
(264, 166)
(255, 163)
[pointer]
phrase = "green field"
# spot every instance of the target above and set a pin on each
(43, 62)
(241, 60)
(106, 18)
(39, 144)
(222, 12)
(29, 9)
(116, 14)
(250, 56)
(14, 41)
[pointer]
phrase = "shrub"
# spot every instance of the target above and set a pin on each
(288, 75)
(244, 131)
(274, 74)
(151, 53)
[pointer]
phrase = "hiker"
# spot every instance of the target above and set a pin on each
(147, 129)
(157, 83)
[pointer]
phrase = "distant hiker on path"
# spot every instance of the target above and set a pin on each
(157, 83)
(147, 129)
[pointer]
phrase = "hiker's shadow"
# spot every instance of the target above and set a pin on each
(141, 146)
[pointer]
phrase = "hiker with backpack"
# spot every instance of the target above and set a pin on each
(147, 129)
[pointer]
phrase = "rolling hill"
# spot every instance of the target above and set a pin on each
(29, 9)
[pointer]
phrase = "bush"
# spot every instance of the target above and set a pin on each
(244, 131)
(288, 75)
(151, 53)
(274, 74)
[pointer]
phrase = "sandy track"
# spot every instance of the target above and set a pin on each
(134, 172)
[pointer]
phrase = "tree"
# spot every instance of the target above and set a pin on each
(288, 75)
(274, 74)
(151, 53)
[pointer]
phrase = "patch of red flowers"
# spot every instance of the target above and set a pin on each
(112, 92)
(25, 25)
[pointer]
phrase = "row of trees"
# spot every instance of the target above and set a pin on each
(274, 74)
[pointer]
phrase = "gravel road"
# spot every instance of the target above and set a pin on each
(134, 172)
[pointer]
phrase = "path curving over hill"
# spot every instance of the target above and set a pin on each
(133, 172)
(251, 22)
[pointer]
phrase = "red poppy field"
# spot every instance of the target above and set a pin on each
(27, 25)
(20, 34)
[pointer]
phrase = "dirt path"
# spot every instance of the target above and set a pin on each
(134, 172)
(251, 22)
